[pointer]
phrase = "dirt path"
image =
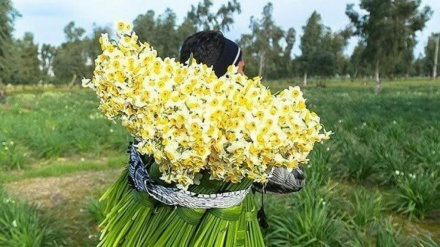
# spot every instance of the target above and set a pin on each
(52, 191)
(66, 196)
(66, 199)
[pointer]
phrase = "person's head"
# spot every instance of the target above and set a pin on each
(213, 49)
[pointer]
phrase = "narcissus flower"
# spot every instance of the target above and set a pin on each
(190, 120)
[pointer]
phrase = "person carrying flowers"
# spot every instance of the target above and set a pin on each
(213, 49)
(205, 135)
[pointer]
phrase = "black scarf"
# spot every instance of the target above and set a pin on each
(231, 55)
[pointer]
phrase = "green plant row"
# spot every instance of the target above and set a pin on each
(378, 172)
(25, 225)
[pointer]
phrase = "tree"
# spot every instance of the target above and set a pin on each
(287, 54)
(166, 35)
(25, 69)
(310, 42)
(323, 63)
(358, 67)
(268, 47)
(434, 73)
(167, 27)
(73, 33)
(145, 26)
(7, 18)
(203, 19)
(387, 28)
(47, 53)
(403, 62)
(71, 60)
(160, 32)
(432, 54)
(333, 44)
(321, 49)
(94, 47)
(420, 67)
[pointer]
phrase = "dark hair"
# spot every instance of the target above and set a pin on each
(213, 49)
(206, 47)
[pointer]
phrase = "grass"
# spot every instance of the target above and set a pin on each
(53, 124)
(416, 195)
(12, 156)
(308, 221)
(62, 168)
(365, 207)
(375, 183)
(95, 208)
(22, 224)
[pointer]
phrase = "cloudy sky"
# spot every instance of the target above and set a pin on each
(47, 18)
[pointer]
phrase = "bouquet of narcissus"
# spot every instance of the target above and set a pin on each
(201, 130)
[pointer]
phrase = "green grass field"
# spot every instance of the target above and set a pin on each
(375, 183)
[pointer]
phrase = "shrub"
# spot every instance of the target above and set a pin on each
(24, 225)
(416, 194)
(366, 207)
(12, 155)
(309, 221)
(96, 208)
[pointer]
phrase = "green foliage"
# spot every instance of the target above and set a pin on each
(324, 64)
(47, 54)
(358, 67)
(93, 46)
(353, 195)
(388, 30)
(378, 138)
(321, 49)
(24, 63)
(388, 233)
(63, 168)
(267, 49)
(160, 32)
(96, 210)
(12, 155)
(311, 39)
(7, 17)
(54, 124)
(25, 225)
(383, 232)
(365, 207)
(430, 52)
(166, 35)
(309, 222)
(311, 217)
(416, 195)
(70, 60)
(426, 241)
(202, 18)
(357, 162)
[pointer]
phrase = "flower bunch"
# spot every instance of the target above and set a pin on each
(233, 127)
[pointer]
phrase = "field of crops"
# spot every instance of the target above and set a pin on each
(375, 183)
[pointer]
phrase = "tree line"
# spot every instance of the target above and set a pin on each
(386, 30)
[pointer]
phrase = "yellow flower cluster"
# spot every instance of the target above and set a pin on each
(190, 120)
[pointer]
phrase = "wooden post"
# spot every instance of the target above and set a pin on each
(2, 93)
(434, 69)
(305, 79)
(378, 86)
(261, 64)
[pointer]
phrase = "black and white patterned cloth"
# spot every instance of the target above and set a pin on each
(173, 196)
(283, 181)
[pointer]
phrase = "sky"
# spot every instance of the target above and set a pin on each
(46, 19)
